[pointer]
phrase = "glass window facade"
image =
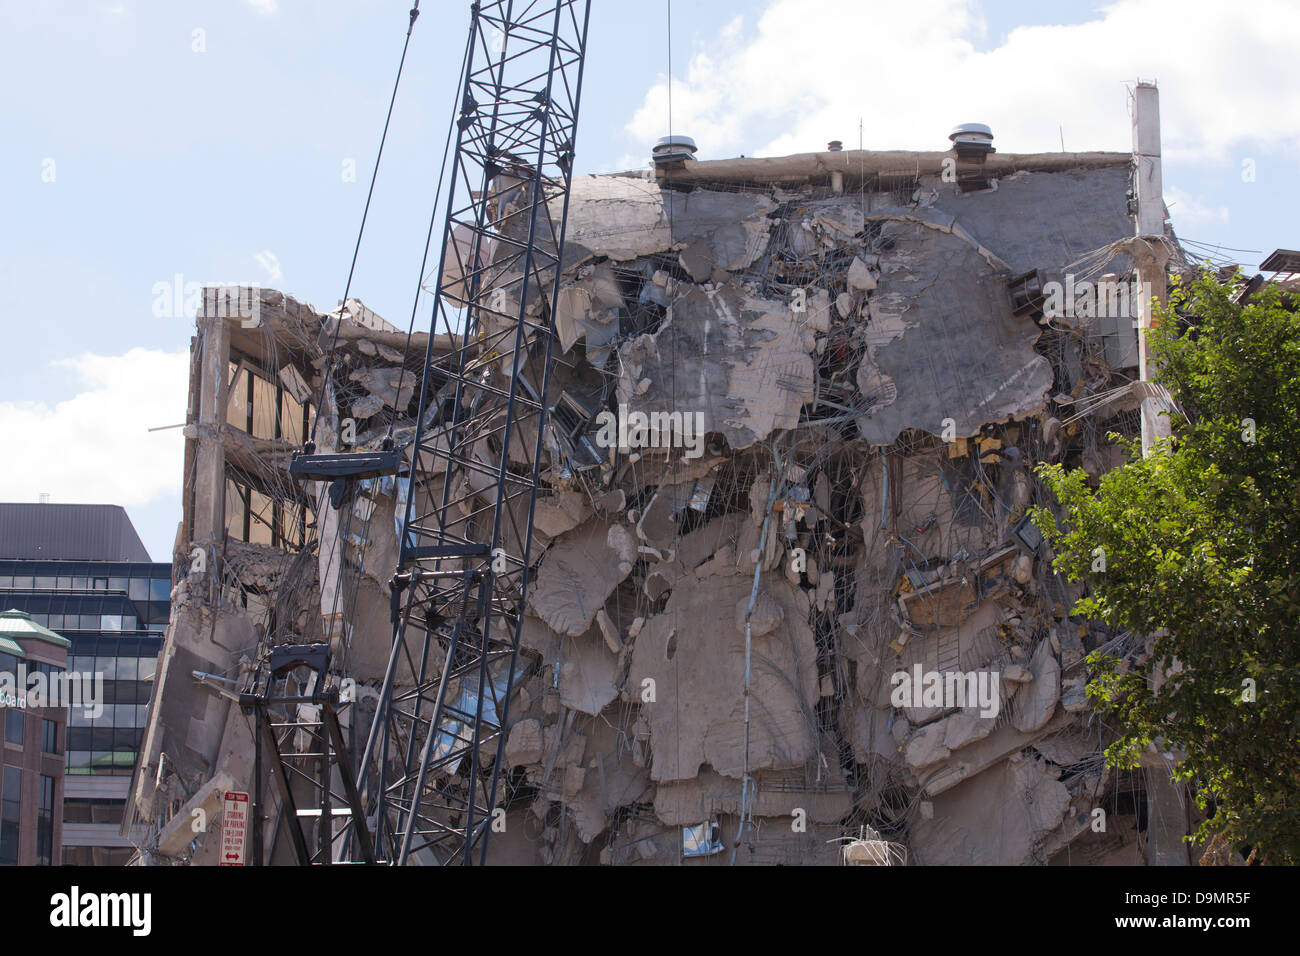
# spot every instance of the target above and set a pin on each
(114, 614)
(107, 743)
(116, 624)
(49, 736)
(14, 726)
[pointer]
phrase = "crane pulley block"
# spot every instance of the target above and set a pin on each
(348, 466)
(340, 470)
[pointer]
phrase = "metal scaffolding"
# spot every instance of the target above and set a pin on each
(294, 704)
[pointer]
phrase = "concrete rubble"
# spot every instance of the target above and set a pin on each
(859, 401)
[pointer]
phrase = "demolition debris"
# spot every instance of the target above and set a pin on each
(789, 454)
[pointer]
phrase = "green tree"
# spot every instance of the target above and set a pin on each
(1201, 542)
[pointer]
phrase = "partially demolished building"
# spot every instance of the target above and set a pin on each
(791, 448)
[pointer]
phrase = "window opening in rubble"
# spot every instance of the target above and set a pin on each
(257, 515)
(260, 406)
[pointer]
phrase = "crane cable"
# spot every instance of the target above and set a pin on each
(414, 13)
(343, 530)
(424, 260)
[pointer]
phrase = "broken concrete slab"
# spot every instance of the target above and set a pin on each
(389, 387)
(919, 326)
(524, 745)
(609, 784)
(623, 217)
(579, 573)
(1021, 219)
(694, 658)
(588, 673)
(764, 617)
(859, 277)
(563, 511)
(734, 362)
(963, 833)
(937, 741)
(702, 797)
(1035, 702)
(588, 309)
(976, 757)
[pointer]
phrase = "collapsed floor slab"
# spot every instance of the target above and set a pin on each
(716, 616)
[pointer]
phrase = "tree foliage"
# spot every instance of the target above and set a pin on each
(1201, 547)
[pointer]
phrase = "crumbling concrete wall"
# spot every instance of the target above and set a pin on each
(261, 558)
(840, 403)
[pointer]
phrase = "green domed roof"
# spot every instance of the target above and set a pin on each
(18, 626)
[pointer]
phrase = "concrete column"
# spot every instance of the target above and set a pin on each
(1166, 814)
(1146, 154)
(210, 470)
(1150, 260)
(1166, 810)
(1151, 256)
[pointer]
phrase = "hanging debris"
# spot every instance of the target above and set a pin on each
(789, 458)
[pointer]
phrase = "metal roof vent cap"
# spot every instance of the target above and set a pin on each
(972, 139)
(673, 149)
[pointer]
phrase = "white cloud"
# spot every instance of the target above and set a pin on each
(265, 7)
(270, 262)
(96, 447)
(1188, 210)
(1229, 74)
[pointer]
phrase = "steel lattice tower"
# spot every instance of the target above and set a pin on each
(429, 774)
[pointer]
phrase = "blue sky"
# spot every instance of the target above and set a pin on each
(136, 149)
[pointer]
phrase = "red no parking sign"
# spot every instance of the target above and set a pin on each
(234, 823)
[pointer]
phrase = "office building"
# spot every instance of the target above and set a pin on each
(81, 571)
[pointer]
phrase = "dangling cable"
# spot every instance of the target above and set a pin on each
(428, 242)
(415, 12)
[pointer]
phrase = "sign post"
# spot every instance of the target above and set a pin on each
(234, 824)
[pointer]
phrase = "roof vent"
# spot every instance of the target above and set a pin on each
(972, 139)
(673, 150)
(834, 146)
(972, 142)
